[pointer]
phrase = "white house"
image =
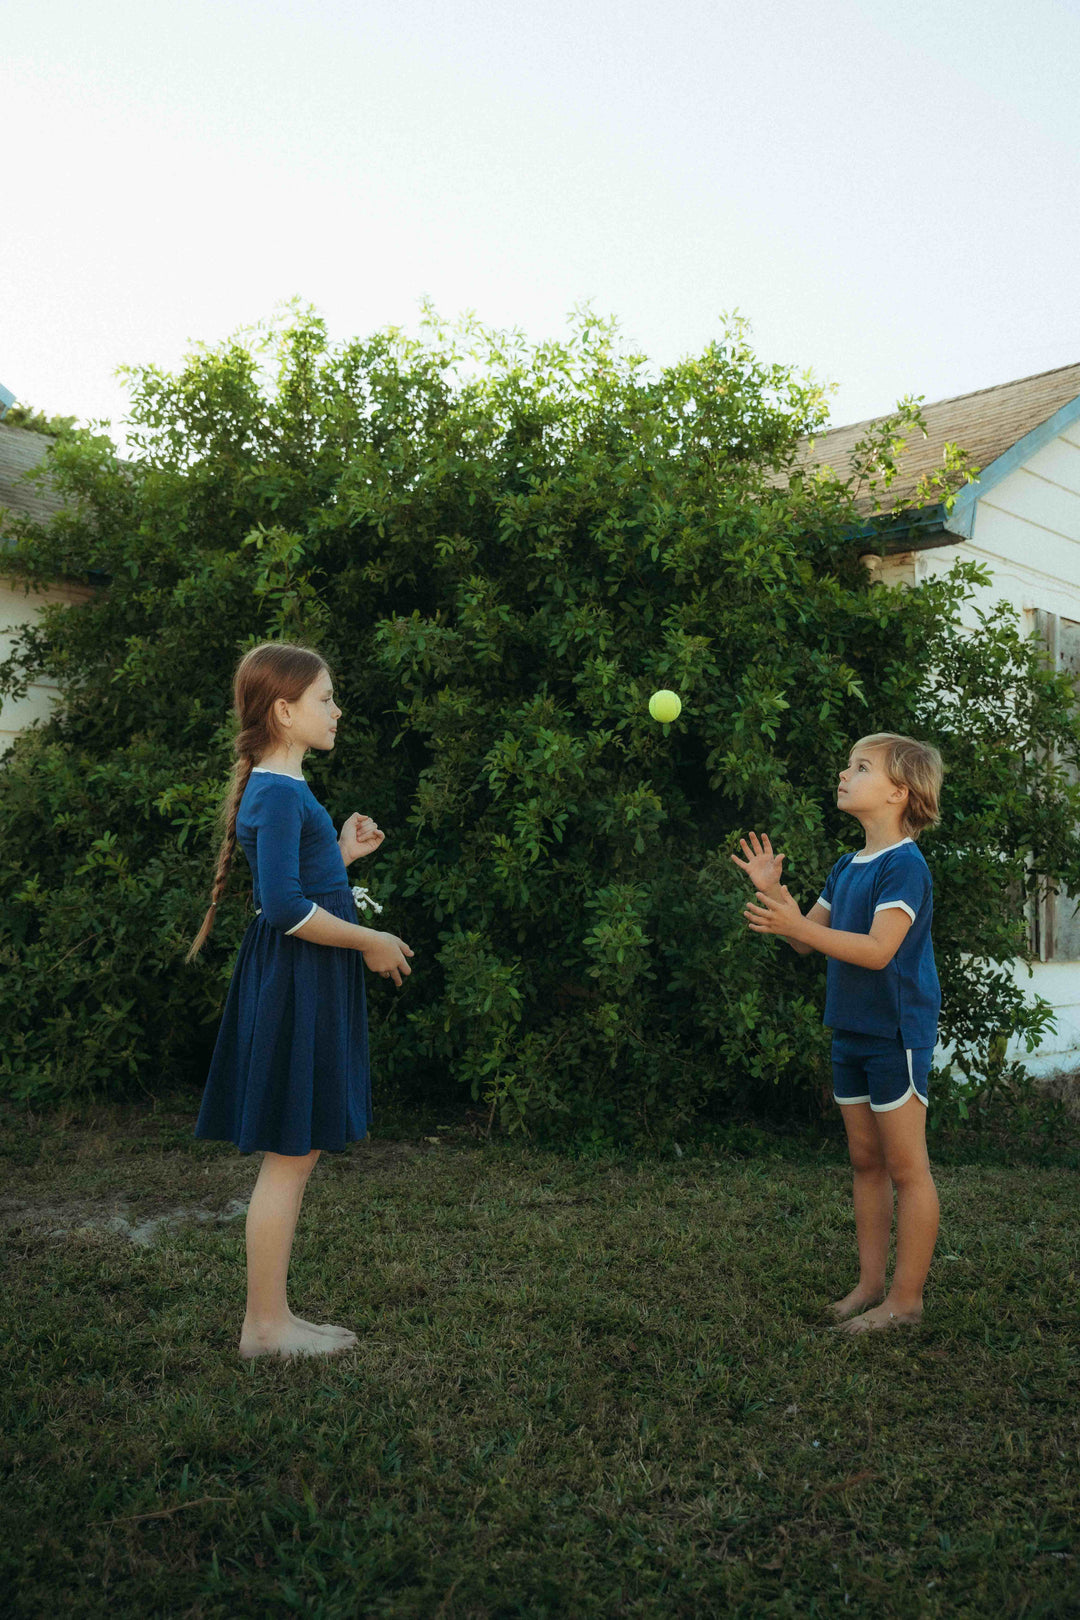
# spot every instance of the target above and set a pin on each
(20, 451)
(1021, 520)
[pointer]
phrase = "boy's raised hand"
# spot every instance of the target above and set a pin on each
(777, 914)
(761, 866)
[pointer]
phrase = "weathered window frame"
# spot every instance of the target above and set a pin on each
(1054, 917)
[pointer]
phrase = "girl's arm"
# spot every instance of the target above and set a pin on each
(383, 953)
(359, 836)
(285, 905)
(778, 914)
(323, 928)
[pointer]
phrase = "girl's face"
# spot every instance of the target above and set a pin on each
(311, 722)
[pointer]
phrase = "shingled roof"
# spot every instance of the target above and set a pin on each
(985, 423)
(20, 451)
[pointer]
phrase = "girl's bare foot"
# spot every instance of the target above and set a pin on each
(290, 1338)
(324, 1327)
(881, 1317)
(858, 1300)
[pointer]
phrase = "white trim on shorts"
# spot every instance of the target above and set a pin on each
(885, 1108)
(912, 1091)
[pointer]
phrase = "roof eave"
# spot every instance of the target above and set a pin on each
(916, 528)
(961, 520)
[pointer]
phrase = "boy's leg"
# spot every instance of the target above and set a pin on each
(903, 1141)
(873, 1197)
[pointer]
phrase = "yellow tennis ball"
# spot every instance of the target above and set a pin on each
(665, 705)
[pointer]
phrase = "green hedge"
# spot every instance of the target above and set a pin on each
(502, 550)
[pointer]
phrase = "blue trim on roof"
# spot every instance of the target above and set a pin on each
(961, 520)
(6, 398)
(899, 525)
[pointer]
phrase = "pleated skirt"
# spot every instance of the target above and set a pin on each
(290, 1069)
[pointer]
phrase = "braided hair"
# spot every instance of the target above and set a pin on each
(276, 669)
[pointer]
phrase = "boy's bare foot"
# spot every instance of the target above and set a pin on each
(858, 1300)
(324, 1327)
(290, 1339)
(882, 1316)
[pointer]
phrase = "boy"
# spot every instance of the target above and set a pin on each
(882, 1001)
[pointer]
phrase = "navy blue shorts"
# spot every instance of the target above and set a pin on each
(878, 1069)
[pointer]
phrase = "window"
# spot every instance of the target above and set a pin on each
(1055, 917)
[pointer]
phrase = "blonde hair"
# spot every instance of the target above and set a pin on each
(916, 766)
(276, 669)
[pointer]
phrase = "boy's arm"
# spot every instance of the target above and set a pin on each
(779, 914)
(759, 863)
(819, 916)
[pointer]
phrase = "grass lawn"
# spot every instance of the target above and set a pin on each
(582, 1388)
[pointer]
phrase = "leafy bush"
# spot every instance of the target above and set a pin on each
(503, 550)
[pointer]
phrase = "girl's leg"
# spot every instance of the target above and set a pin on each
(903, 1140)
(269, 1325)
(320, 1327)
(873, 1208)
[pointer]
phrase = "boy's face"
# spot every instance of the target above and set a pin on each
(865, 787)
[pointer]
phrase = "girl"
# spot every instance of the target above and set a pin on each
(289, 1076)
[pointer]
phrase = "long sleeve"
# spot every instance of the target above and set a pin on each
(279, 824)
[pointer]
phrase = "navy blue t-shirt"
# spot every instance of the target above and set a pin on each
(903, 997)
(291, 847)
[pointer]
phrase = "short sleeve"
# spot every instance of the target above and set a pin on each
(825, 898)
(905, 885)
(279, 822)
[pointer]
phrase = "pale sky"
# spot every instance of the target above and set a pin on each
(889, 192)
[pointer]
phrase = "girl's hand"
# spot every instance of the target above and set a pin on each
(386, 955)
(777, 914)
(762, 867)
(359, 836)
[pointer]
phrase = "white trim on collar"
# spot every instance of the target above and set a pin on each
(263, 771)
(864, 859)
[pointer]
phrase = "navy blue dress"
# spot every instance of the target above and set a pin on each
(290, 1068)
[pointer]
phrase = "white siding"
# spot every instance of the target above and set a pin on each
(1027, 531)
(1042, 513)
(1014, 538)
(1059, 984)
(17, 608)
(1059, 461)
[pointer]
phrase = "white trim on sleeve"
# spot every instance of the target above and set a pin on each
(821, 900)
(303, 920)
(895, 905)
